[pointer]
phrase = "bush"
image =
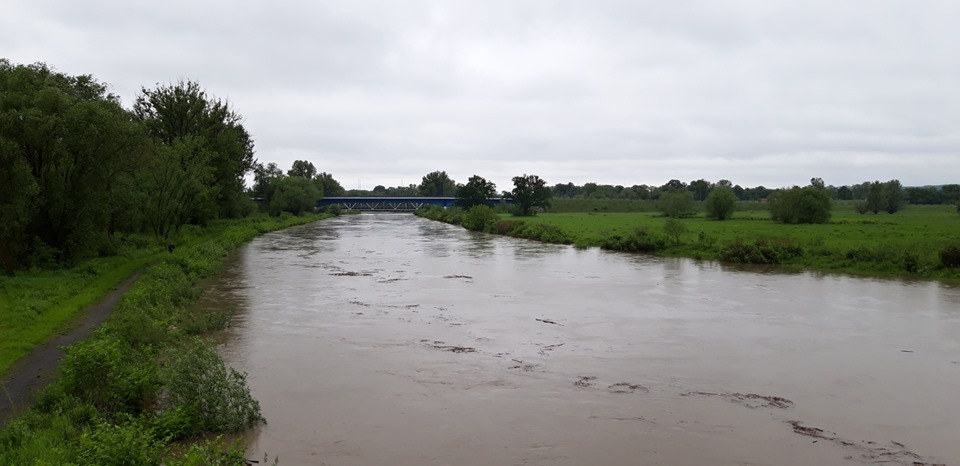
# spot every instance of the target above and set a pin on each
(639, 241)
(677, 204)
(480, 218)
(674, 229)
(107, 374)
(201, 394)
(950, 256)
(721, 203)
(800, 205)
(120, 445)
(861, 207)
(505, 227)
(762, 251)
(539, 232)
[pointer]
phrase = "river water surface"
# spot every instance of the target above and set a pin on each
(385, 339)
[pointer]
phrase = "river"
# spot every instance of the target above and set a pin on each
(381, 339)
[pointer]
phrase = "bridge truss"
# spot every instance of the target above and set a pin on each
(394, 204)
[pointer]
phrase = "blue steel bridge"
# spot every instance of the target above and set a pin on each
(396, 204)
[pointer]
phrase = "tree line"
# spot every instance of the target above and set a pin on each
(77, 168)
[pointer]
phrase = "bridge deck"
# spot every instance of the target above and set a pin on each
(398, 204)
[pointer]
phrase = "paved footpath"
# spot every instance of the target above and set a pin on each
(29, 374)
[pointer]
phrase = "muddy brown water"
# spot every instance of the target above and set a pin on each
(387, 339)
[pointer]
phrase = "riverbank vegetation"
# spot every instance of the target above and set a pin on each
(147, 380)
(917, 241)
(90, 193)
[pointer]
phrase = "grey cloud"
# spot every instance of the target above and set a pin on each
(619, 92)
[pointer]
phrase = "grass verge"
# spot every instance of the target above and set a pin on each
(147, 379)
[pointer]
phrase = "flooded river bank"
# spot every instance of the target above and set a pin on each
(389, 339)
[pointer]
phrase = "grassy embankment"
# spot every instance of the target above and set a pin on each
(905, 244)
(147, 378)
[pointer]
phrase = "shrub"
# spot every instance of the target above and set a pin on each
(505, 227)
(762, 251)
(119, 445)
(677, 204)
(950, 256)
(480, 218)
(639, 241)
(721, 203)
(674, 229)
(203, 392)
(800, 205)
(111, 376)
(861, 207)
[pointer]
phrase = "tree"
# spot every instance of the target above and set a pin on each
(844, 193)
(437, 184)
(330, 186)
(674, 229)
(68, 148)
(529, 191)
(875, 200)
(700, 189)
(182, 110)
(303, 169)
(800, 205)
(721, 203)
(677, 204)
(475, 192)
(294, 194)
(951, 193)
(264, 178)
(893, 196)
(673, 185)
(177, 180)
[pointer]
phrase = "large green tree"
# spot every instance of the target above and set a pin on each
(475, 192)
(721, 203)
(294, 194)
(800, 205)
(329, 186)
(68, 149)
(437, 184)
(184, 110)
(529, 192)
(177, 182)
(302, 168)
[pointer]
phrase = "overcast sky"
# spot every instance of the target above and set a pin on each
(618, 92)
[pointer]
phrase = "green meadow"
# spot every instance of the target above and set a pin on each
(907, 243)
(917, 241)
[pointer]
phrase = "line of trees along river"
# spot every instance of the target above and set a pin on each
(77, 167)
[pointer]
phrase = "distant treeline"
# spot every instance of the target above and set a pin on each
(701, 189)
(439, 184)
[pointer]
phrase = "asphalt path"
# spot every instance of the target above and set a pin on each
(21, 384)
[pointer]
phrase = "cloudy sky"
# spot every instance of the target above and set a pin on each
(619, 92)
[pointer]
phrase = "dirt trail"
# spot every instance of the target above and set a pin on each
(27, 376)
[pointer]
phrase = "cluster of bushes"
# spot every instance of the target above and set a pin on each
(950, 256)
(916, 260)
(641, 240)
(760, 251)
(484, 219)
(147, 378)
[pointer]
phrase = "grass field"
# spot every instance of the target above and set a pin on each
(906, 243)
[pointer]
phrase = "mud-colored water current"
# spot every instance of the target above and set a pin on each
(384, 339)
